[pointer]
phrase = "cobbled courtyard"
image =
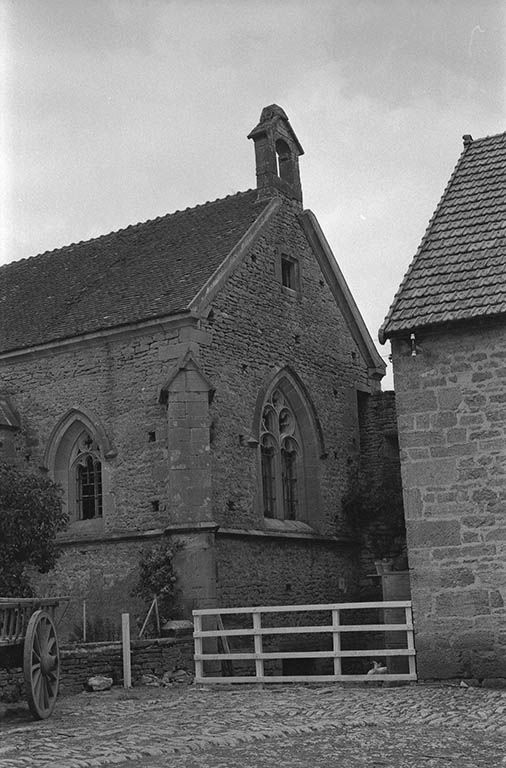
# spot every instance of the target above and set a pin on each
(297, 726)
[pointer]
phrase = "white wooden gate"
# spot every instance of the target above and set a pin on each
(335, 628)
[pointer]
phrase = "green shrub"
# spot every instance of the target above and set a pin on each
(31, 514)
(157, 577)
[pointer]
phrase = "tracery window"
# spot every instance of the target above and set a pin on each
(281, 459)
(86, 477)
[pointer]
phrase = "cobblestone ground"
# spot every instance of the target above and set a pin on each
(296, 726)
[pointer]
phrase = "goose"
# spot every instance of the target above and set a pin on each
(377, 669)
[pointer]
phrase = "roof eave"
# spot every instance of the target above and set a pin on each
(442, 325)
(177, 318)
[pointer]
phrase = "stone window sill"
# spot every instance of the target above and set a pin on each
(82, 528)
(300, 531)
(288, 526)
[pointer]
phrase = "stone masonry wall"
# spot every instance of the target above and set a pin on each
(451, 404)
(119, 379)
(381, 520)
(257, 328)
(80, 662)
(378, 440)
(283, 571)
(103, 574)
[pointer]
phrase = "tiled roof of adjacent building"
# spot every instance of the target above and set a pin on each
(139, 273)
(459, 270)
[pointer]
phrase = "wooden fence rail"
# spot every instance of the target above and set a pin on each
(214, 616)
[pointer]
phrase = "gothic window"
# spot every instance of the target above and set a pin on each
(78, 457)
(281, 459)
(86, 478)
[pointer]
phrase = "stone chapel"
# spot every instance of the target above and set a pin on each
(197, 376)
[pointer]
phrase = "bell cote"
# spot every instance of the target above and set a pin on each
(277, 151)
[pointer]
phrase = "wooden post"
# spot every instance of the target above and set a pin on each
(199, 664)
(336, 641)
(410, 641)
(155, 600)
(125, 641)
(153, 603)
(84, 621)
(259, 663)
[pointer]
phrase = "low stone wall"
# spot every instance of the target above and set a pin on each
(80, 662)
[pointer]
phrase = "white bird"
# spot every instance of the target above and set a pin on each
(377, 669)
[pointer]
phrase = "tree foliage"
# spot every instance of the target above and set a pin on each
(31, 514)
(157, 577)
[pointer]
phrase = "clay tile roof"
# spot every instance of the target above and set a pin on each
(145, 271)
(459, 270)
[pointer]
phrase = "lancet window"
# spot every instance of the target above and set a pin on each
(281, 459)
(86, 477)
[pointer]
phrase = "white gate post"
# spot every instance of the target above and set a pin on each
(257, 639)
(336, 642)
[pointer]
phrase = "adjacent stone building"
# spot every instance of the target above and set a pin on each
(447, 326)
(196, 376)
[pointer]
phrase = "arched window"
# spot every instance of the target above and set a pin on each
(282, 459)
(78, 456)
(290, 447)
(86, 477)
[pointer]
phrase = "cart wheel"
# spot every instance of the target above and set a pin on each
(41, 663)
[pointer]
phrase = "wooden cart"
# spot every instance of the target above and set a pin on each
(27, 628)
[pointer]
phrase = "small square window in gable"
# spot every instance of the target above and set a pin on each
(290, 273)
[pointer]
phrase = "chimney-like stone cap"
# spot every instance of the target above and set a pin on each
(270, 115)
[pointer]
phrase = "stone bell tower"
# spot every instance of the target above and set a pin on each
(277, 151)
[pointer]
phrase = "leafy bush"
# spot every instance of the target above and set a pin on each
(31, 514)
(157, 577)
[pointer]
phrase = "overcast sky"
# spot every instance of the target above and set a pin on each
(117, 111)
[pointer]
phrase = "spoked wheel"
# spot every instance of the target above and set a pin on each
(41, 663)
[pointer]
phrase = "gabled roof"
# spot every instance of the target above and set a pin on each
(459, 270)
(176, 263)
(145, 271)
